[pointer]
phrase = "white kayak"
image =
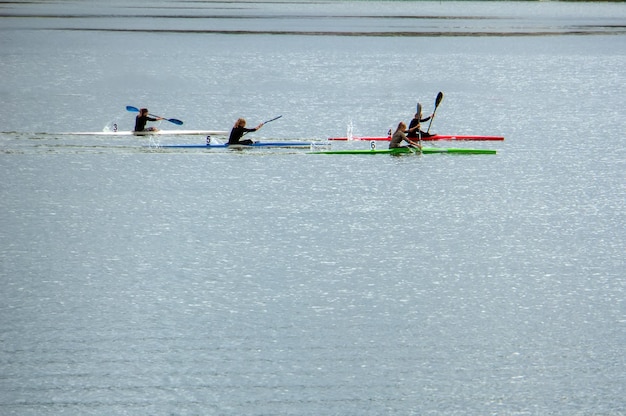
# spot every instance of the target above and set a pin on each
(151, 133)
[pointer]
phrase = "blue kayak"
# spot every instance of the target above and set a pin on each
(238, 146)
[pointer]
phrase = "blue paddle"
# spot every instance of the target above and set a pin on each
(171, 120)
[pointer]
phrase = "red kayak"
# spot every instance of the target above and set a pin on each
(428, 139)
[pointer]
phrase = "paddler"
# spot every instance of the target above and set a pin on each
(398, 137)
(414, 131)
(141, 120)
(239, 129)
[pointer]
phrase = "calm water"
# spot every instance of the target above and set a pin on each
(139, 280)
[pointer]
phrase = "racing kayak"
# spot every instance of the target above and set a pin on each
(279, 144)
(401, 150)
(151, 133)
(435, 137)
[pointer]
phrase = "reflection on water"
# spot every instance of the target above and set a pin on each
(143, 280)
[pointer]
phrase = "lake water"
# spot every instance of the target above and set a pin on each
(141, 280)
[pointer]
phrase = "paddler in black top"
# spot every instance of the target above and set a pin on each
(141, 120)
(399, 136)
(239, 129)
(414, 131)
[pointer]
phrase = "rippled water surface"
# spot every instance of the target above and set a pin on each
(138, 279)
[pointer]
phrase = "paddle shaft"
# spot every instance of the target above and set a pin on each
(275, 118)
(265, 122)
(171, 120)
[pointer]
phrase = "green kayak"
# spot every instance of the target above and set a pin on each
(400, 150)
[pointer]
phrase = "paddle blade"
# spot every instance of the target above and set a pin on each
(437, 102)
(438, 99)
(131, 108)
(175, 121)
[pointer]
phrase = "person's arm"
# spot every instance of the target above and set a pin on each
(414, 144)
